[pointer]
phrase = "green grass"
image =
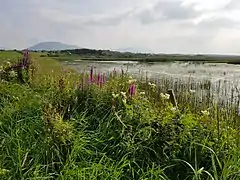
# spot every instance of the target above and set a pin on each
(9, 56)
(81, 131)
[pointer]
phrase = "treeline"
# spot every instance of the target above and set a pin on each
(105, 53)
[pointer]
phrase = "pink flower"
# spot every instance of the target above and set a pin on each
(132, 90)
(99, 79)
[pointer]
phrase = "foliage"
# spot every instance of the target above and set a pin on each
(61, 125)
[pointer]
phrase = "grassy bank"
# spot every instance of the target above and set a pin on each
(60, 126)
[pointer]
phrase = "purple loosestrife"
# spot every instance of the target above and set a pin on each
(132, 89)
(25, 57)
(98, 79)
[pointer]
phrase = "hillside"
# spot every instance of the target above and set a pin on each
(51, 46)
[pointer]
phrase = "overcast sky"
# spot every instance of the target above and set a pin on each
(168, 26)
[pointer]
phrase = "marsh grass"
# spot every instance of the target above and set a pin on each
(59, 126)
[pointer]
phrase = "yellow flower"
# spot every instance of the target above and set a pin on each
(132, 81)
(115, 95)
(205, 112)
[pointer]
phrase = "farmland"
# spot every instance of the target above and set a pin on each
(63, 124)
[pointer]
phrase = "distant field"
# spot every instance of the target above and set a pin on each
(159, 58)
(63, 56)
(11, 56)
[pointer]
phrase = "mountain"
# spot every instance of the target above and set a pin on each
(52, 46)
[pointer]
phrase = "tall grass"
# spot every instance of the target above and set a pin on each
(60, 126)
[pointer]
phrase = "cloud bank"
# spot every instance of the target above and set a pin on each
(160, 26)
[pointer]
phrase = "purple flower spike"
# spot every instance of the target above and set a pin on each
(103, 79)
(99, 79)
(132, 90)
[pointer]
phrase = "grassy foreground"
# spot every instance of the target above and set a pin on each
(60, 126)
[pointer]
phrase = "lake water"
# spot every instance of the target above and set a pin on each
(210, 71)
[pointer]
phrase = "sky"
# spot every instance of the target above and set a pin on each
(157, 26)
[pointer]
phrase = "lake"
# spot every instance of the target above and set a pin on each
(223, 78)
(211, 71)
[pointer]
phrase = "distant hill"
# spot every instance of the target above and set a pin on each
(52, 46)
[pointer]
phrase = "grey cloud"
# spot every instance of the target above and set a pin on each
(168, 10)
(184, 44)
(233, 4)
(112, 20)
(162, 10)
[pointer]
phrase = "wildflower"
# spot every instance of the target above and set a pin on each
(132, 81)
(173, 109)
(132, 90)
(15, 98)
(152, 85)
(123, 94)
(124, 101)
(99, 79)
(12, 74)
(115, 95)
(8, 63)
(205, 112)
(165, 96)
(142, 93)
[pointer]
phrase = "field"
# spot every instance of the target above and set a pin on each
(60, 124)
(107, 55)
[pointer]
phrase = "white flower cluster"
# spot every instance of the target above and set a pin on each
(12, 74)
(165, 96)
(152, 85)
(115, 95)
